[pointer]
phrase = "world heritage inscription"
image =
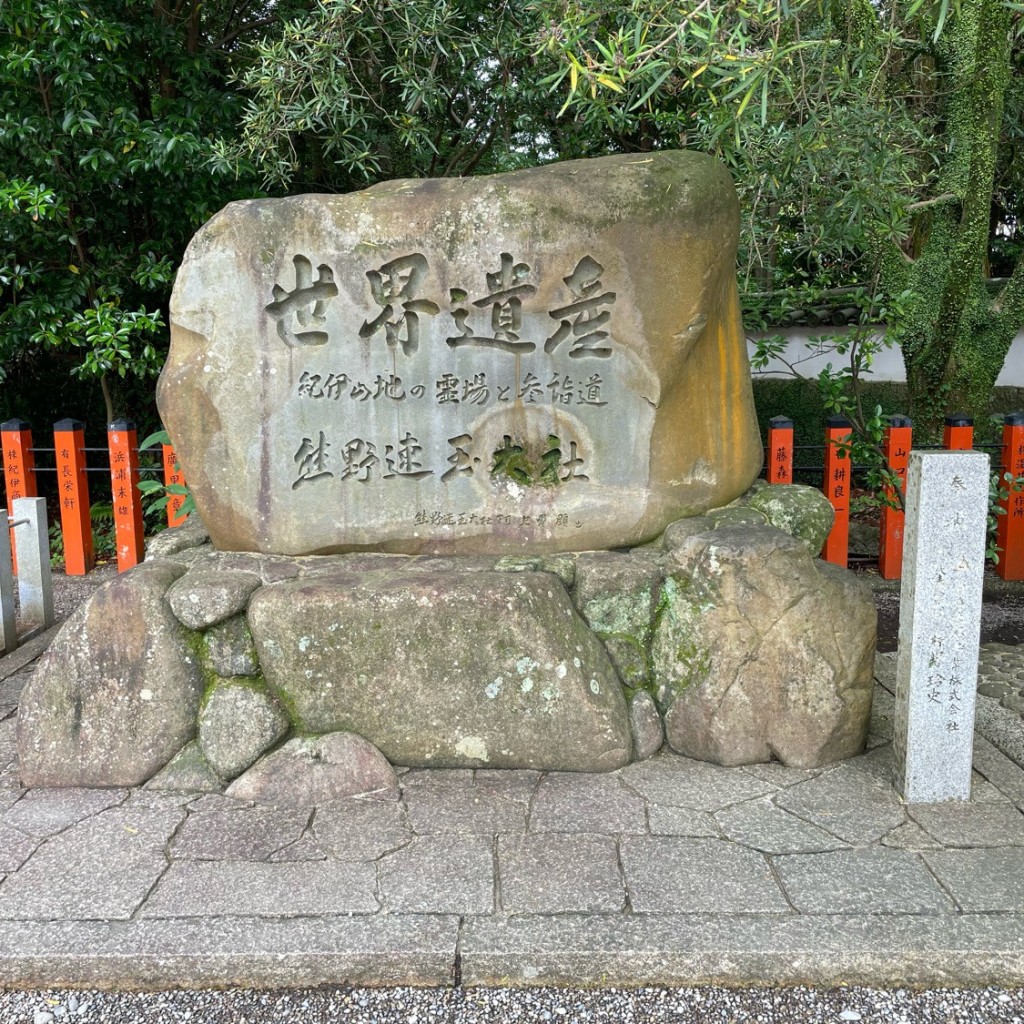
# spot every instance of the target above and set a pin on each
(545, 360)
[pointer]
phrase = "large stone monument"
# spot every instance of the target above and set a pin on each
(550, 360)
(477, 460)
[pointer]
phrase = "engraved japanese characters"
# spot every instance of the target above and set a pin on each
(540, 361)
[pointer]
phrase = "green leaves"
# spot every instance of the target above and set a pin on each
(110, 121)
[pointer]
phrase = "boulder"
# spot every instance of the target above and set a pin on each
(115, 696)
(230, 650)
(616, 595)
(313, 770)
(188, 772)
(735, 515)
(514, 364)
(802, 512)
(450, 670)
(761, 652)
(645, 723)
(238, 722)
(191, 534)
(202, 598)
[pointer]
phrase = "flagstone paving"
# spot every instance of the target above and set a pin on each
(669, 871)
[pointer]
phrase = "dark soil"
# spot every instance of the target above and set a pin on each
(1002, 610)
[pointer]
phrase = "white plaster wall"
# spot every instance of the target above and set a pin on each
(888, 365)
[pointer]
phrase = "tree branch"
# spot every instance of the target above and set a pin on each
(231, 36)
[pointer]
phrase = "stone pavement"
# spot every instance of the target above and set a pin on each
(670, 872)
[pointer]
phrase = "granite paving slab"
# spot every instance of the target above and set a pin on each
(252, 889)
(780, 775)
(45, 812)
(304, 848)
(847, 802)
(666, 874)
(676, 781)
(447, 807)
(9, 796)
(251, 834)
(101, 868)
(564, 802)
(763, 826)
(681, 821)
(910, 836)
(971, 824)
(556, 873)
(440, 875)
(872, 881)
(15, 847)
(990, 880)
(64, 883)
(360, 829)
(1006, 775)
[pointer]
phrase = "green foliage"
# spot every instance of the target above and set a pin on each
(160, 492)
(352, 93)
(104, 542)
(1001, 486)
(107, 138)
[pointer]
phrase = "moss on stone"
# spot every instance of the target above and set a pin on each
(679, 657)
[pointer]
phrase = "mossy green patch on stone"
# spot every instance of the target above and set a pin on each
(802, 512)
(735, 516)
(679, 656)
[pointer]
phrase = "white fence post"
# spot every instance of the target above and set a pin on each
(8, 627)
(35, 585)
(32, 541)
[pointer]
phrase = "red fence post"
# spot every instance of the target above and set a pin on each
(1010, 527)
(897, 457)
(19, 468)
(838, 474)
(73, 491)
(129, 534)
(780, 450)
(958, 433)
(173, 475)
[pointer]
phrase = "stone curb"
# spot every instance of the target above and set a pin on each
(740, 950)
(574, 950)
(227, 952)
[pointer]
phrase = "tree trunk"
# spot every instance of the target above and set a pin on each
(953, 337)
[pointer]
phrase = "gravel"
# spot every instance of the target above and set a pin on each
(490, 1006)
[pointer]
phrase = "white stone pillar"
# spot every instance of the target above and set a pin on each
(8, 627)
(940, 624)
(32, 543)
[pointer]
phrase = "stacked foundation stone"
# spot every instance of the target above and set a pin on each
(308, 678)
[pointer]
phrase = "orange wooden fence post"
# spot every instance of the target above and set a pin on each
(73, 491)
(1010, 527)
(897, 457)
(19, 468)
(173, 475)
(129, 534)
(780, 450)
(958, 433)
(838, 481)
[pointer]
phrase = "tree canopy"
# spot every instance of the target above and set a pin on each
(874, 144)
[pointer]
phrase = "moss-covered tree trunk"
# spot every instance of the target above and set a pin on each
(954, 334)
